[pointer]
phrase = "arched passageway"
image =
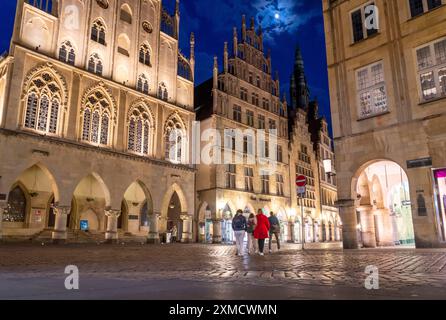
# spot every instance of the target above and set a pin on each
(383, 206)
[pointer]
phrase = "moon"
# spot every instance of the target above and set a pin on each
(277, 16)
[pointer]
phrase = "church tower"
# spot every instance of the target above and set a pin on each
(299, 92)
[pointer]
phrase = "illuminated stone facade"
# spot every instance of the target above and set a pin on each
(387, 91)
(90, 92)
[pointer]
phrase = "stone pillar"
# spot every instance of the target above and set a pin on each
(154, 236)
(60, 225)
(111, 236)
(367, 226)
(216, 237)
(202, 232)
(3, 208)
(384, 227)
(347, 212)
(292, 237)
(186, 236)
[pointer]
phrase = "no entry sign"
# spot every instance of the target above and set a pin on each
(301, 181)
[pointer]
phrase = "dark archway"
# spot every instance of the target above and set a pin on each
(17, 206)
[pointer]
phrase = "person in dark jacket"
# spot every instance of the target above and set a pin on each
(239, 226)
(274, 230)
(252, 221)
(261, 232)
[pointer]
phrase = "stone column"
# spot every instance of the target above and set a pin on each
(201, 232)
(186, 236)
(216, 237)
(60, 225)
(347, 213)
(111, 236)
(367, 226)
(384, 228)
(292, 237)
(154, 236)
(3, 208)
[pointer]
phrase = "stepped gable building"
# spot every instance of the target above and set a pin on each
(387, 75)
(96, 110)
(245, 95)
(310, 145)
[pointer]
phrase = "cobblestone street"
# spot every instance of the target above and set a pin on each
(215, 272)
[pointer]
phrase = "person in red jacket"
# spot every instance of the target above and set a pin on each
(261, 232)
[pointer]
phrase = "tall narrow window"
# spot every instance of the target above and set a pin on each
(249, 179)
(162, 92)
(264, 177)
(98, 32)
(143, 84)
(237, 114)
(364, 22)
(279, 184)
(175, 141)
(139, 130)
(144, 55)
(42, 104)
(96, 119)
(95, 64)
(250, 118)
(230, 176)
(66, 53)
(372, 95)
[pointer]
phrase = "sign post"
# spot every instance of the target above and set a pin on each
(301, 183)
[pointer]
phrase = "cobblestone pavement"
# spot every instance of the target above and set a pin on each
(198, 270)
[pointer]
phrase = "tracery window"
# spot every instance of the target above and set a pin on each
(43, 104)
(95, 64)
(175, 141)
(139, 132)
(143, 84)
(144, 55)
(67, 53)
(98, 32)
(162, 92)
(96, 119)
(16, 211)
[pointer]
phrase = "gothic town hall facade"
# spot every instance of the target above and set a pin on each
(88, 95)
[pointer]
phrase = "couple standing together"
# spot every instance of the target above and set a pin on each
(259, 228)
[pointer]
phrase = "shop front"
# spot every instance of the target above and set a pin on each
(440, 201)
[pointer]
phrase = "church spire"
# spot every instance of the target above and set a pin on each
(300, 93)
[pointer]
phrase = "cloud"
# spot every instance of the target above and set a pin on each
(282, 16)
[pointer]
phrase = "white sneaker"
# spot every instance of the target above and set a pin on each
(270, 250)
(261, 254)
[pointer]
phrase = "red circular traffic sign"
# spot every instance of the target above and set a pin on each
(301, 181)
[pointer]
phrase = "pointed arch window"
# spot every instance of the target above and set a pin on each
(67, 53)
(175, 141)
(98, 32)
(96, 119)
(43, 104)
(95, 64)
(143, 84)
(162, 92)
(144, 55)
(17, 204)
(139, 133)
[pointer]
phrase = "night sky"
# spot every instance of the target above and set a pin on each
(285, 24)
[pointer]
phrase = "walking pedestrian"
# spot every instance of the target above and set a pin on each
(239, 226)
(261, 230)
(174, 233)
(274, 230)
(252, 221)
